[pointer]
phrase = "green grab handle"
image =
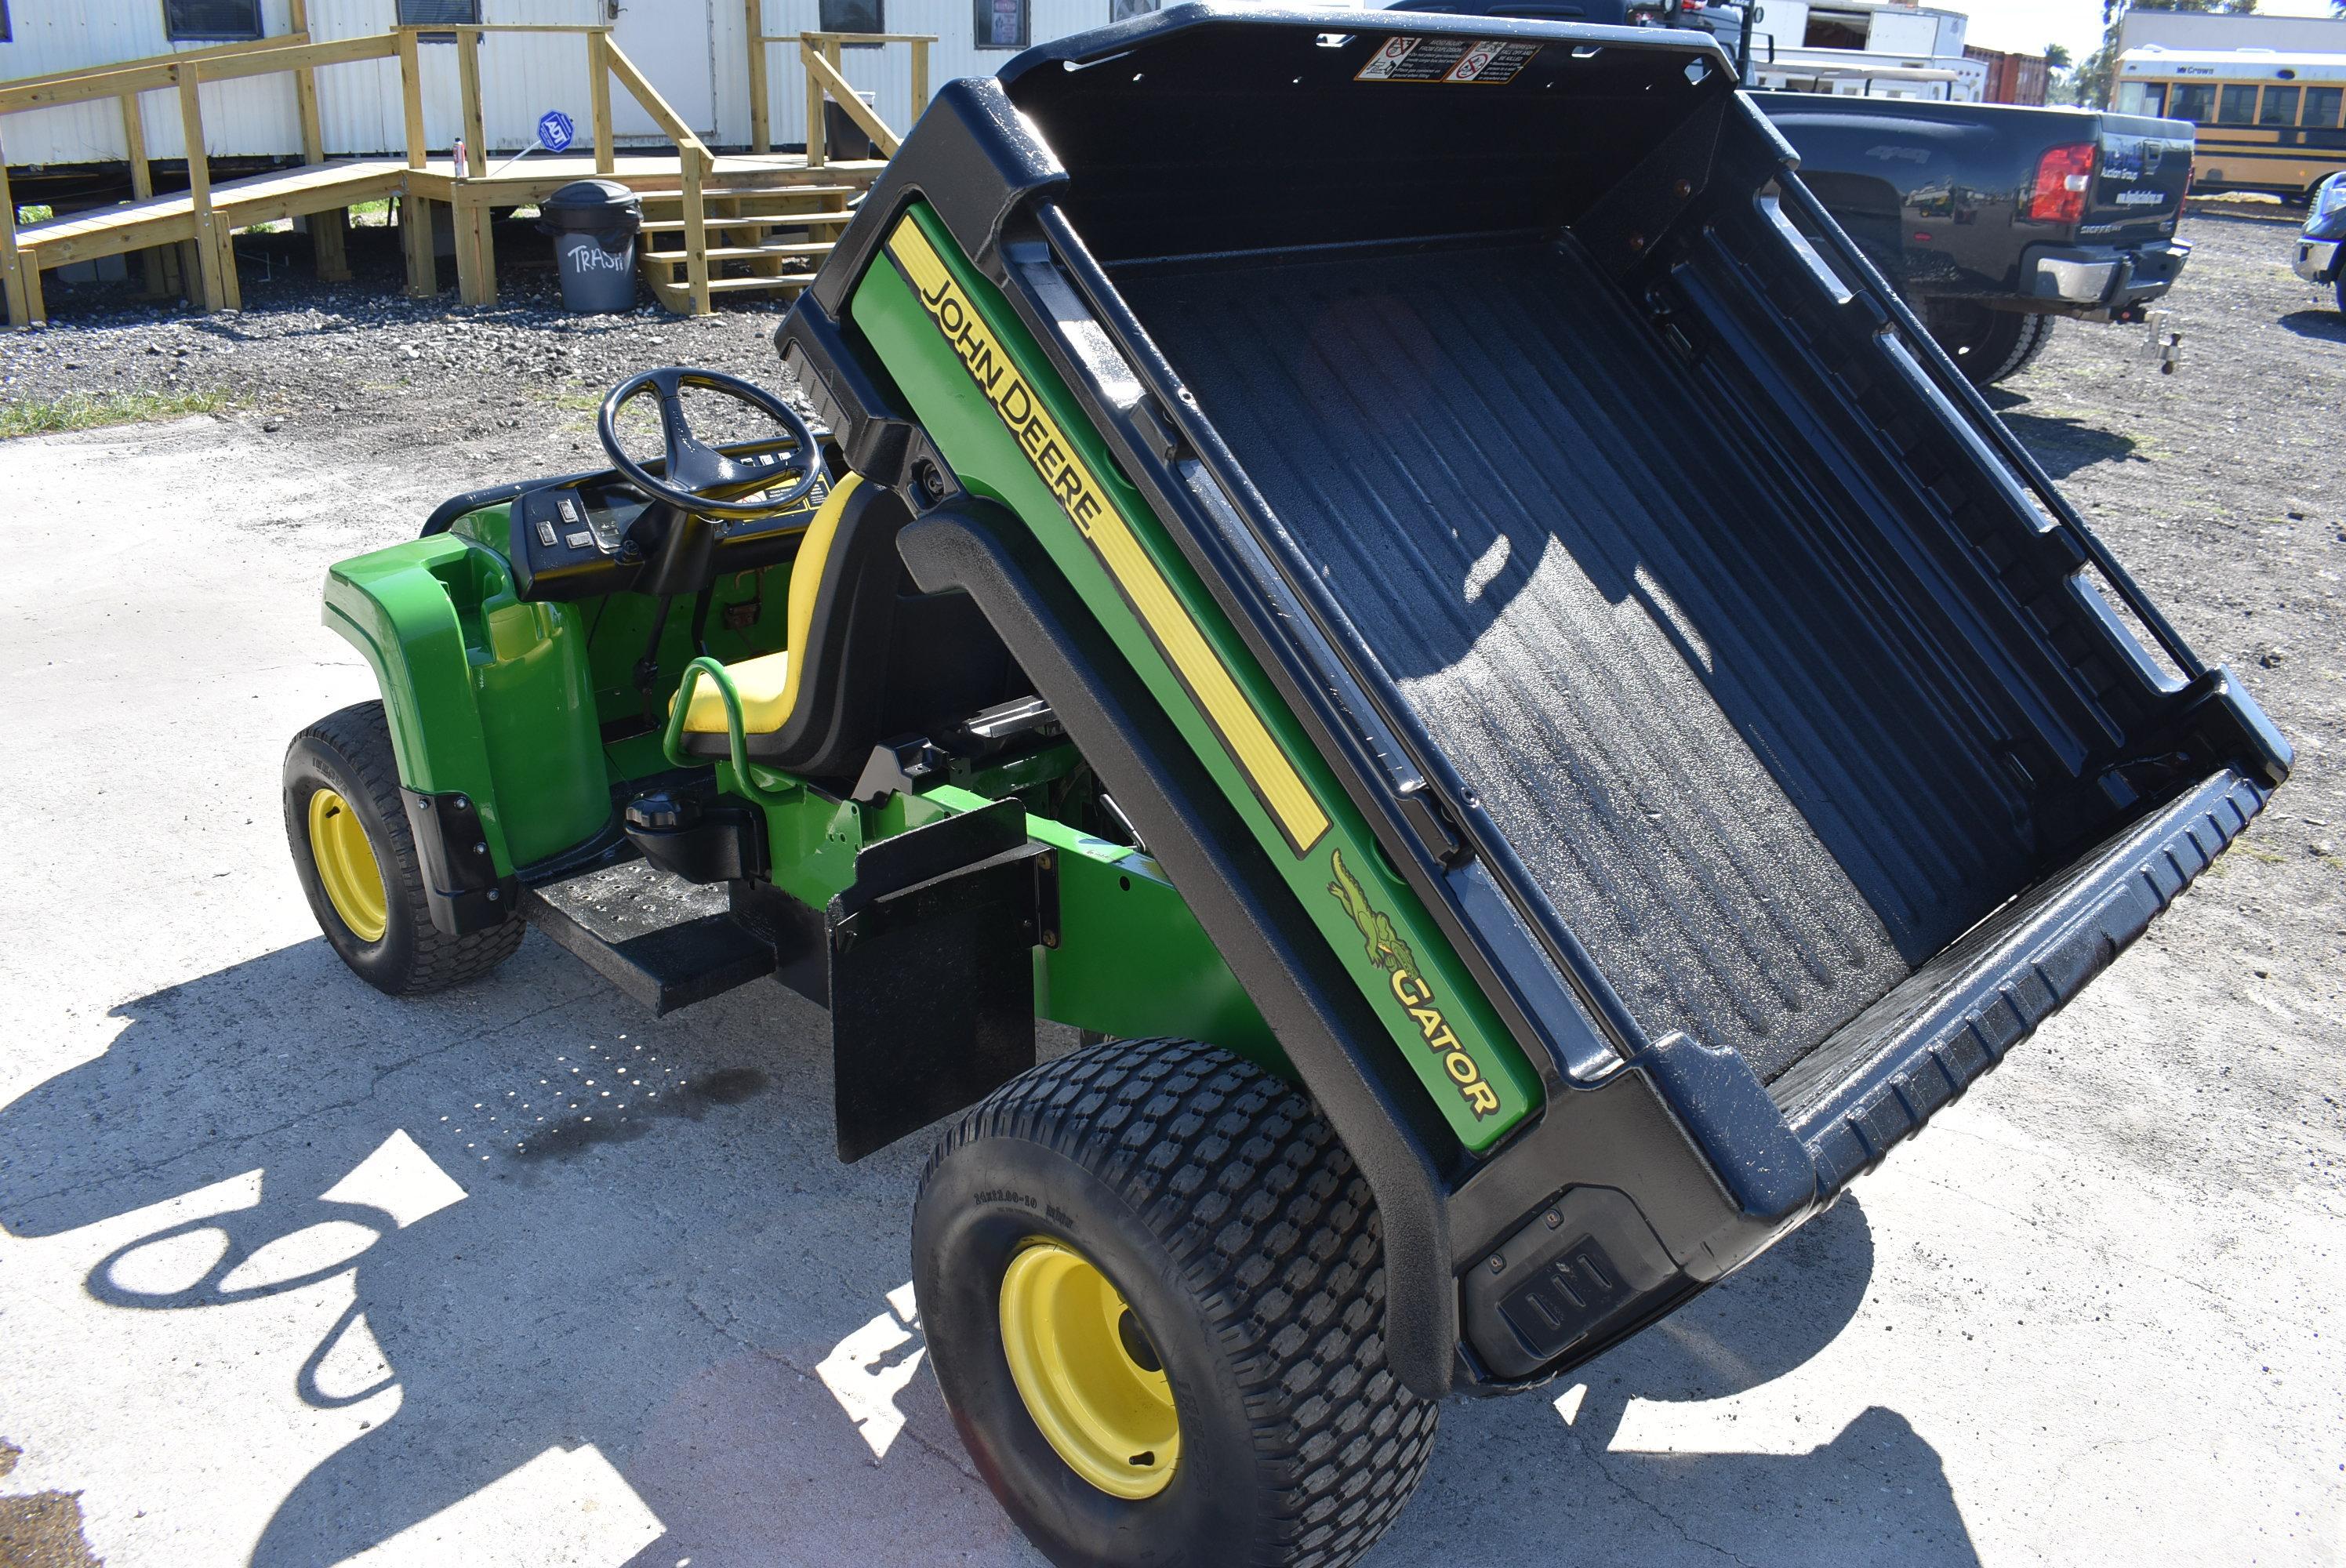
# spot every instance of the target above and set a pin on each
(672, 740)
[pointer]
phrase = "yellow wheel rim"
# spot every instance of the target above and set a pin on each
(346, 866)
(1094, 1384)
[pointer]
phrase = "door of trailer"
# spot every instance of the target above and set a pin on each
(670, 43)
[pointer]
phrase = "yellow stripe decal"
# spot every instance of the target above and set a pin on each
(1094, 514)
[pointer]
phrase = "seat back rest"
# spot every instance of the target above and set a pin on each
(945, 663)
(870, 656)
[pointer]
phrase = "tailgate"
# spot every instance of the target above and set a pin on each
(1883, 1074)
(2139, 183)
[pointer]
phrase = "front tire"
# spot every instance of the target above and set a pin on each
(1206, 1217)
(356, 858)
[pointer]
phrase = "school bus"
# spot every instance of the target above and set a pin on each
(2267, 121)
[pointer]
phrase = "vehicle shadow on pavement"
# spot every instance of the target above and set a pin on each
(668, 1276)
(2327, 326)
(2062, 442)
(544, 1236)
(1570, 1465)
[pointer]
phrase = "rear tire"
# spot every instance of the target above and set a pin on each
(1245, 1247)
(1988, 346)
(340, 775)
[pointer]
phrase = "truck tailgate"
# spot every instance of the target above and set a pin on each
(2139, 181)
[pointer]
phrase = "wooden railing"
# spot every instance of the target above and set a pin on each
(302, 57)
(186, 72)
(605, 64)
(819, 57)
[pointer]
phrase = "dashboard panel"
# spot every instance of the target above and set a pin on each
(582, 538)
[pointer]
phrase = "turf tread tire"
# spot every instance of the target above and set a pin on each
(413, 957)
(1274, 1233)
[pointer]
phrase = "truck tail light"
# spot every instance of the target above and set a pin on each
(2061, 176)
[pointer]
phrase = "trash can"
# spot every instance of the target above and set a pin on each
(594, 223)
(842, 137)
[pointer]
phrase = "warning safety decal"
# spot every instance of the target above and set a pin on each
(1491, 62)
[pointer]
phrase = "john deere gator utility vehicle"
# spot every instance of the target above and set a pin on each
(1254, 591)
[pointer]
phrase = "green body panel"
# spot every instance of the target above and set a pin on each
(1132, 959)
(1342, 881)
(486, 694)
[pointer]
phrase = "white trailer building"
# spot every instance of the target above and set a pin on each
(696, 52)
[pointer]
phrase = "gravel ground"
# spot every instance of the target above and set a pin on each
(2091, 1316)
(360, 366)
(2223, 490)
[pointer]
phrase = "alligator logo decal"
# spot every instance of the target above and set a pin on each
(1388, 951)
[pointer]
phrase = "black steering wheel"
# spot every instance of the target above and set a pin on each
(698, 476)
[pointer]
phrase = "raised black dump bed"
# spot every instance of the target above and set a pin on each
(1743, 684)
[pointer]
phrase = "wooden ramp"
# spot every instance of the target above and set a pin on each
(758, 223)
(160, 221)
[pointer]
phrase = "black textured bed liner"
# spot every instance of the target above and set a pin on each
(1733, 758)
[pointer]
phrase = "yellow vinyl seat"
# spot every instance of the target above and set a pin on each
(762, 684)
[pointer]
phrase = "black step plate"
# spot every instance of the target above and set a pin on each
(666, 942)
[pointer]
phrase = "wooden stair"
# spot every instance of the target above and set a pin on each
(768, 241)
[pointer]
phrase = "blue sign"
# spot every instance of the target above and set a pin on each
(555, 130)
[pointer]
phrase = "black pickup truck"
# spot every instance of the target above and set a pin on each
(1992, 219)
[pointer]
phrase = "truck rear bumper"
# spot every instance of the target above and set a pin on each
(2100, 275)
(2317, 259)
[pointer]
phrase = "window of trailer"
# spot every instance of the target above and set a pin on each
(438, 13)
(1001, 23)
(210, 21)
(852, 17)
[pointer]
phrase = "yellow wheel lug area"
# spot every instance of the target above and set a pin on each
(346, 866)
(1088, 1372)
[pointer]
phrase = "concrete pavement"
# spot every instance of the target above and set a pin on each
(284, 1278)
